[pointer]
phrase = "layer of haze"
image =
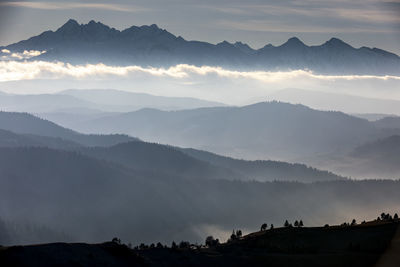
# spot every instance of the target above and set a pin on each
(208, 83)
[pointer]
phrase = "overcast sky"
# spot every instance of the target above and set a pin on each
(371, 23)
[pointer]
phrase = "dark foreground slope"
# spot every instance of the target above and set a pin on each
(362, 245)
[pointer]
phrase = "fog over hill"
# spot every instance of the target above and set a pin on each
(261, 131)
(157, 158)
(129, 101)
(151, 192)
(153, 46)
(378, 158)
(95, 101)
(92, 200)
(391, 122)
(337, 101)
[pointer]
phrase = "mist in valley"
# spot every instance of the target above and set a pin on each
(165, 144)
(274, 161)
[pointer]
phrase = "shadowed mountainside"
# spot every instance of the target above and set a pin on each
(162, 158)
(264, 170)
(89, 199)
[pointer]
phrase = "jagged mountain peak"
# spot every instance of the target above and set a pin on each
(73, 28)
(70, 25)
(293, 42)
(71, 22)
(243, 46)
(152, 29)
(336, 42)
(224, 44)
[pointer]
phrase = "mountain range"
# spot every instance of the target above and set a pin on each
(94, 200)
(96, 101)
(24, 123)
(266, 130)
(350, 104)
(152, 46)
(133, 154)
(274, 130)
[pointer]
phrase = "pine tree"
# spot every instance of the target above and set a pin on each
(264, 227)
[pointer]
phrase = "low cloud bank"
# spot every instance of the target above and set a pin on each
(14, 70)
(10, 56)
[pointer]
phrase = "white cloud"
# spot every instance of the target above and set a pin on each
(24, 55)
(5, 51)
(15, 70)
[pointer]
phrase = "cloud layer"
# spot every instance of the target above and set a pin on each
(17, 70)
(209, 83)
(8, 55)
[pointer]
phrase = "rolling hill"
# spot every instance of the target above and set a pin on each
(24, 123)
(388, 122)
(380, 158)
(42, 103)
(349, 104)
(10, 139)
(269, 130)
(96, 101)
(264, 170)
(157, 158)
(123, 101)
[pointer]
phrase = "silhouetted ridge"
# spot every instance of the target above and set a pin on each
(184, 163)
(268, 130)
(358, 245)
(24, 123)
(69, 26)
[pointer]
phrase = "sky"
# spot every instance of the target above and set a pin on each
(372, 23)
